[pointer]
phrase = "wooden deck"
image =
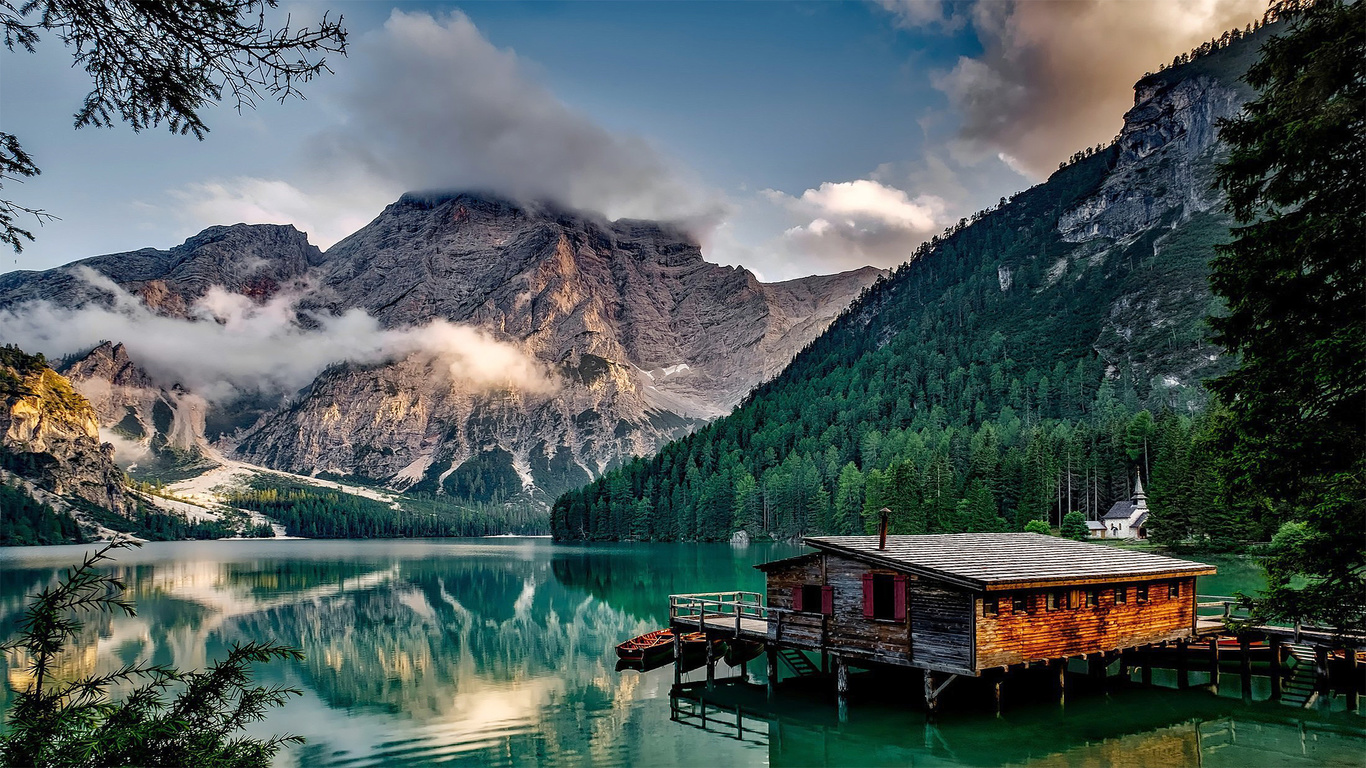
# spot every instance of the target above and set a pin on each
(749, 629)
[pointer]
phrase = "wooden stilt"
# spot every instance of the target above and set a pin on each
(1245, 665)
(678, 657)
(842, 687)
(1147, 665)
(1214, 663)
(931, 697)
(1062, 682)
(771, 654)
(1321, 669)
(996, 691)
(1352, 680)
(1275, 643)
(1182, 674)
(711, 662)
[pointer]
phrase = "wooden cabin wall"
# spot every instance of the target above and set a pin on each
(936, 633)
(941, 625)
(1039, 634)
(797, 628)
(883, 640)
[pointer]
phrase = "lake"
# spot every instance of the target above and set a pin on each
(500, 652)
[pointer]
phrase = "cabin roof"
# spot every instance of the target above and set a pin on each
(786, 561)
(1003, 561)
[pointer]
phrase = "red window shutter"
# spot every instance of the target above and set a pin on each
(797, 598)
(828, 601)
(867, 595)
(899, 600)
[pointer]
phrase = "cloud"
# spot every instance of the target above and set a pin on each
(1056, 76)
(912, 14)
(328, 213)
(431, 104)
(232, 345)
(850, 224)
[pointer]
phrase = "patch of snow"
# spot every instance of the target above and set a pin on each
(672, 369)
(1171, 381)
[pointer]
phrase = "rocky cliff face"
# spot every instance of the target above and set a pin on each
(1158, 204)
(49, 434)
(642, 338)
(153, 427)
(645, 338)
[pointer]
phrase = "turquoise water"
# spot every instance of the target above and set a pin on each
(500, 652)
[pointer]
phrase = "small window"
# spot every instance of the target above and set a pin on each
(811, 597)
(1057, 600)
(1142, 590)
(1174, 590)
(884, 596)
(1121, 595)
(991, 606)
(1018, 604)
(1092, 598)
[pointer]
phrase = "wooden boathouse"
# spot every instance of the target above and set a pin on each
(955, 604)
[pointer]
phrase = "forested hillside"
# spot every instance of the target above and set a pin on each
(1028, 363)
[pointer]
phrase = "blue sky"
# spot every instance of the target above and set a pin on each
(792, 137)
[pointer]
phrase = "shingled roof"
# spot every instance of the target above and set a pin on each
(1002, 561)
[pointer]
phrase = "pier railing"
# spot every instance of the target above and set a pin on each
(700, 606)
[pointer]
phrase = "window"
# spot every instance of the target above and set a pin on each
(991, 606)
(1121, 595)
(1057, 600)
(1018, 604)
(1142, 590)
(1174, 590)
(1092, 598)
(884, 596)
(813, 598)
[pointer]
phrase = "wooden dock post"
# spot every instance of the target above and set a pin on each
(1182, 674)
(1352, 681)
(1124, 654)
(931, 695)
(996, 691)
(678, 657)
(1062, 682)
(711, 662)
(1147, 676)
(1214, 663)
(1275, 643)
(1245, 664)
(771, 653)
(1321, 669)
(842, 687)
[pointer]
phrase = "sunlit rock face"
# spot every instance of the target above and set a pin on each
(49, 435)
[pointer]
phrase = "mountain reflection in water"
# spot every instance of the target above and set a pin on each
(500, 652)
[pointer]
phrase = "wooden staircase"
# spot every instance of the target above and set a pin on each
(1299, 689)
(798, 662)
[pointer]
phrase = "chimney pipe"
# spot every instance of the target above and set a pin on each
(882, 537)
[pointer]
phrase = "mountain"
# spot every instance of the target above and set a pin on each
(49, 436)
(641, 340)
(1027, 363)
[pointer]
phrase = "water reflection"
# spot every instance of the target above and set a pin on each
(500, 652)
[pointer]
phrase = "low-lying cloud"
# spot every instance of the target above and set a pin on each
(232, 345)
(433, 105)
(848, 224)
(1056, 76)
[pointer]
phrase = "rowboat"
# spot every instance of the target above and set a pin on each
(648, 647)
(653, 647)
